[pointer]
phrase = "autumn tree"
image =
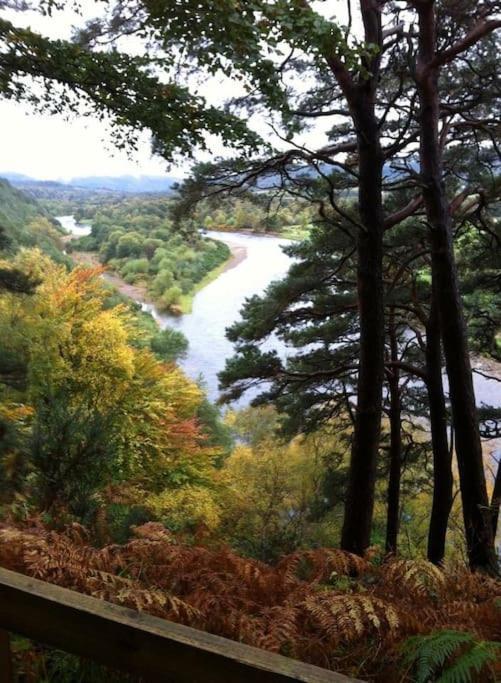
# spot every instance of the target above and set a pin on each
(102, 410)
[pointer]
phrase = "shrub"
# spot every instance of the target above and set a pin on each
(130, 244)
(170, 296)
(162, 282)
(186, 285)
(169, 345)
(139, 265)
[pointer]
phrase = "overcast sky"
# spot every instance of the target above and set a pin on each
(51, 147)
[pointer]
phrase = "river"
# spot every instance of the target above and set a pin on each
(218, 305)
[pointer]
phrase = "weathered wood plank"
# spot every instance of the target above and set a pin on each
(6, 674)
(138, 643)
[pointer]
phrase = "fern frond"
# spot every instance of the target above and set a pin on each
(473, 661)
(418, 577)
(448, 656)
(352, 617)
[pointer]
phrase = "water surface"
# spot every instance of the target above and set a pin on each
(70, 225)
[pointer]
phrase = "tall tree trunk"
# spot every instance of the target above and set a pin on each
(477, 517)
(496, 500)
(359, 503)
(442, 460)
(393, 496)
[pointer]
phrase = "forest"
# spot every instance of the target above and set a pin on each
(339, 502)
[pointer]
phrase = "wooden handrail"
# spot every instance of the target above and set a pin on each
(157, 649)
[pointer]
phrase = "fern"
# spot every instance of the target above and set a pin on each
(418, 577)
(448, 656)
(476, 659)
(323, 606)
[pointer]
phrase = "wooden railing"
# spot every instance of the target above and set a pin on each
(155, 649)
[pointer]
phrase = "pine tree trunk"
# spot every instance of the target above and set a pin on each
(496, 500)
(393, 496)
(442, 461)
(477, 517)
(359, 502)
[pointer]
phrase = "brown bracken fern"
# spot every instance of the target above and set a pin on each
(322, 606)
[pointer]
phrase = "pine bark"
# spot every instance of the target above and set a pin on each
(359, 503)
(476, 512)
(442, 456)
(360, 494)
(393, 495)
(496, 500)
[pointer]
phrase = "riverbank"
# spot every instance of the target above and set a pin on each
(295, 233)
(238, 254)
(139, 291)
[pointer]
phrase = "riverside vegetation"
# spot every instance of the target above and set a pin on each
(135, 238)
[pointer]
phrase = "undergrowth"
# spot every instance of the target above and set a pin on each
(323, 606)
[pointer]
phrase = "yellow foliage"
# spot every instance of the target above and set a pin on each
(186, 507)
(79, 352)
(269, 490)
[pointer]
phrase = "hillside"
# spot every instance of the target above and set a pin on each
(25, 223)
(127, 184)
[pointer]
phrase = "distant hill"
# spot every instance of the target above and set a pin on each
(126, 184)
(16, 177)
(25, 223)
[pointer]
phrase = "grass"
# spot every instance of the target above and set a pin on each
(186, 301)
(295, 232)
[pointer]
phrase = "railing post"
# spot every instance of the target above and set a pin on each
(6, 672)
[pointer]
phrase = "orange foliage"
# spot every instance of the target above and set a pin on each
(322, 606)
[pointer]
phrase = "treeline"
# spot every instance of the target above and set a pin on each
(61, 200)
(137, 239)
(257, 212)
